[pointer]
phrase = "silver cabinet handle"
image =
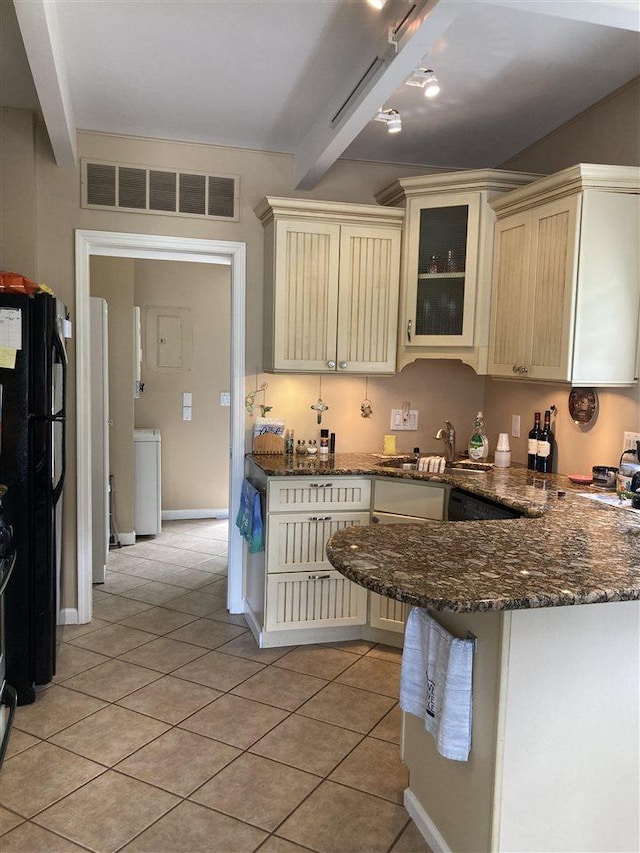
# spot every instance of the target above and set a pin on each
(319, 577)
(409, 325)
(516, 368)
(319, 518)
(342, 365)
(524, 369)
(331, 364)
(320, 485)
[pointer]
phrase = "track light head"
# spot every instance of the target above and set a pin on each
(377, 4)
(426, 79)
(392, 119)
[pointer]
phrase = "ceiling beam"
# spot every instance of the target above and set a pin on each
(38, 23)
(621, 14)
(334, 130)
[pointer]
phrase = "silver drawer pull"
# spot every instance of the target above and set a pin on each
(320, 485)
(319, 577)
(319, 518)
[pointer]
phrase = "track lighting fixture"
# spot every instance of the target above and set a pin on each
(425, 79)
(377, 4)
(392, 119)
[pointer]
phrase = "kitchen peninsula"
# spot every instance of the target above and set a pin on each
(555, 756)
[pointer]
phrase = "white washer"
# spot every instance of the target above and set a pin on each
(147, 488)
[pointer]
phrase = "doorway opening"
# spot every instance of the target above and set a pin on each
(153, 247)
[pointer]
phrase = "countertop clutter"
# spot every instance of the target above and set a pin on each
(565, 550)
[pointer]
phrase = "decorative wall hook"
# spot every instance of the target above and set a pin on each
(320, 407)
(366, 407)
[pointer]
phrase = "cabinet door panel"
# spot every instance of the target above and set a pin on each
(324, 600)
(386, 613)
(297, 541)
(441, 270)
(368, 299)
(305, 311)
(509, 296)
(551, 297)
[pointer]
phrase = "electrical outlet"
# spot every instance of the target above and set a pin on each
(515, 426)
(629, 440)
(399, 423)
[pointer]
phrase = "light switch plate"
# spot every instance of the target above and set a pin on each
(225, 398)
(515, 426)
(398, 423)
(187, 398)
(186, 413)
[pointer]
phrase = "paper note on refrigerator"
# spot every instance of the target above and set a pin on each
(11, 328)
(7, 357)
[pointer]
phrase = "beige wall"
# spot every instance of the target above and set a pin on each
(195, 454)
(608, 132)
(578, 447)
(17, 192)
(113, 280)
(439, 390)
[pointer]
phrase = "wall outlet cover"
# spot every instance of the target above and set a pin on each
(629, 440)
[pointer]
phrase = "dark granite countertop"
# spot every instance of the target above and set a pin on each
(566, 550)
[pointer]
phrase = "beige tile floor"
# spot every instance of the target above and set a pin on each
(166, 729)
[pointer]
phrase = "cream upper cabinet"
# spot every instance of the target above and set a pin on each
(446, 262)
(566, 293)
(331, 286)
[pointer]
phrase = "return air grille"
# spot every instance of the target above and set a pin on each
(133, 188)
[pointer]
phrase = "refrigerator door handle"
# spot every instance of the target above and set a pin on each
(61, 350)
(57, 489)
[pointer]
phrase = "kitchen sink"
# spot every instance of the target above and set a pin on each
(461, 466)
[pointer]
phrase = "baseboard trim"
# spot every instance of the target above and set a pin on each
(68, 616)
(180, 514)
(427, 828)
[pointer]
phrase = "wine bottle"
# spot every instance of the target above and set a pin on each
(534, 435)
(544, 461)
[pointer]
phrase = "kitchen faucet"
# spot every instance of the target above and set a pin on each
(448, 435)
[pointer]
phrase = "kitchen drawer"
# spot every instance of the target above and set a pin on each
(406, 498)
(319, 599)
(296, 494)
(297, 541)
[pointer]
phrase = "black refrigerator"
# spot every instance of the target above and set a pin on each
(33, 380)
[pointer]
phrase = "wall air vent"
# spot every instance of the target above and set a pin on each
(119, 186)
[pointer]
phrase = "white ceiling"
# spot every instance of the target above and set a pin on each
(271, 74)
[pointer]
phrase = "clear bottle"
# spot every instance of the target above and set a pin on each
(478, 443)
(289, 442)
(532, 447)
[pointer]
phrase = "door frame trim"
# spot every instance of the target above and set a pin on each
(156, 247)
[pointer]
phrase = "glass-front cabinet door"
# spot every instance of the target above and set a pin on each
(441, 266)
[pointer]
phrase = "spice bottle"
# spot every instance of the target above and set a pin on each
(323, 450)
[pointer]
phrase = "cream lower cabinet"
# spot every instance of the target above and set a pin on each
(565, 296)
(400, 502)
(293, 593)
(331, 286)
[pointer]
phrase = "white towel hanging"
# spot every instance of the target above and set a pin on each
(436, 683)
